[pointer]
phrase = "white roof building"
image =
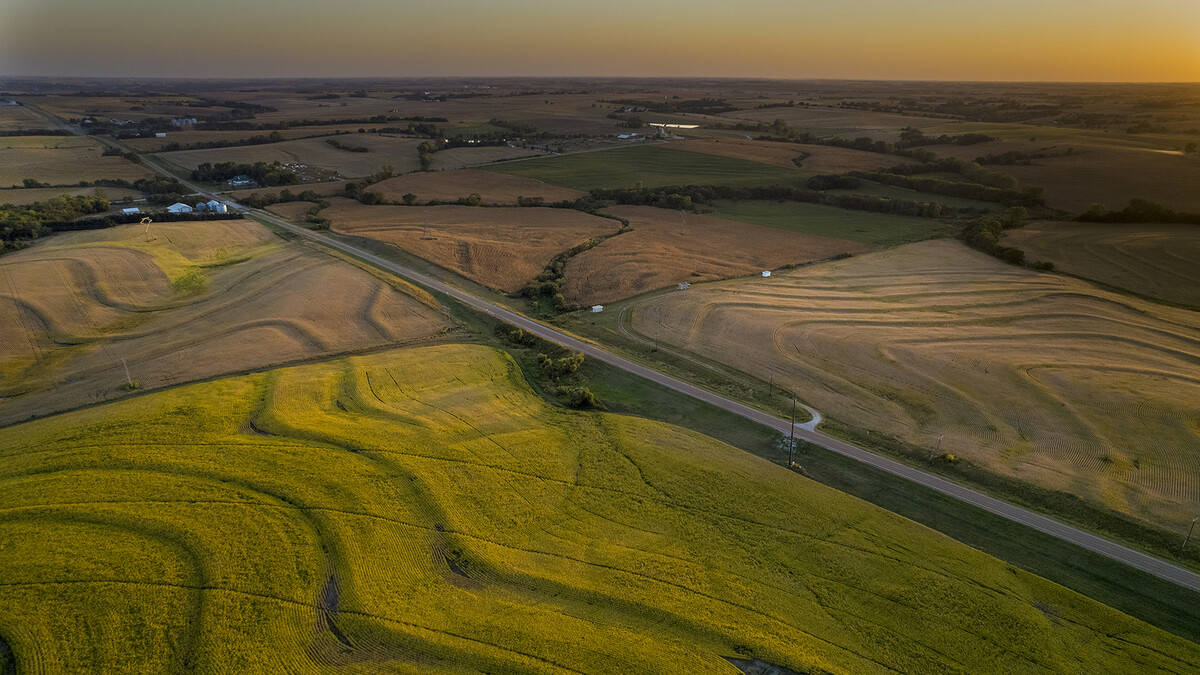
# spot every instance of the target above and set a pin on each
(131, 211)
(179, 207)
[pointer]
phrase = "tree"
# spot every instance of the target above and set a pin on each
(409, 199)
(1191, 148)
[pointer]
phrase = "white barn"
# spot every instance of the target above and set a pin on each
(131, 211)
(179, 207)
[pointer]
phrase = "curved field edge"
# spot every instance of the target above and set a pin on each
(427, 510)
(1042, 379)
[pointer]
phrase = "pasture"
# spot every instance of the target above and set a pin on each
(189, 301)
(1047, 379)
(1158, 261)
(61, 160)
(501, 248)
(398, 152)
(864, 227)
(651, 165)
(492, 187)
(427, 512)
(822, 158)
(663, 250)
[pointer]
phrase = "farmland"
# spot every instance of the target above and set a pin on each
(1158, 261)
(17, 117)
(1043, 378)
(60, 160)
(188, 301)
(663, 250)
(872, 229)
(498, 247)
(652, 166)
(30, 195)
(398, 152)
(492, 187)
(821, 158)
(426, 511)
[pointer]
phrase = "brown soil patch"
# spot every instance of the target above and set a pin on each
(822, 158)
(1040, 377)
(662, 251)
(1159, 261)
(492, 187)
(498, 247)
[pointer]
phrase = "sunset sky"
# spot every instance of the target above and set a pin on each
(1057, 40)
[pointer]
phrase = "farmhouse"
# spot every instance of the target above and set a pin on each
(179, 207)
(240, 179)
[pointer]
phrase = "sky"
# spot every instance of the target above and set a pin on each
(1006, 40)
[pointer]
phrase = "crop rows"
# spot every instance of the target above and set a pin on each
(1040, 377)
(422, 508)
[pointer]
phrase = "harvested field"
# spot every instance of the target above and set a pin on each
(423, 510)
(291, 210)
(1047, 379)
(498, 247)
(492, 187)
(13, 117)
(336, 188)
(653, 166)
(195, 300)
(832, 121)
(457, 158)
(1158, 261)
(61, 160)
(663, 250)
(400, 153)
(824, 159)
(187, 136)
(31, 195)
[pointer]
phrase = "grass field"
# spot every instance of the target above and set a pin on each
(291, 210)
(400, 153)
(427, 512)
(1043, 378)
(500, 248)
(186, 135)
(31, 195)
(663, 250)
(822, 158)
(1158, 261)
(653, 166)
(458, 158)
(492, 187)
(60, 160)
(196, 299)
(872, 229)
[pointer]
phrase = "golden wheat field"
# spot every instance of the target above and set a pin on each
(1159, 261)
(422, 510)
(1042, 377)
(61, 160)
(191, 300)
(17, 117)
(500, 248)
(665, 249)
(825, 159)
(492, 187)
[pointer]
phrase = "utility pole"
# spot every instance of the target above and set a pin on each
(792, 439)
(1189, 534)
